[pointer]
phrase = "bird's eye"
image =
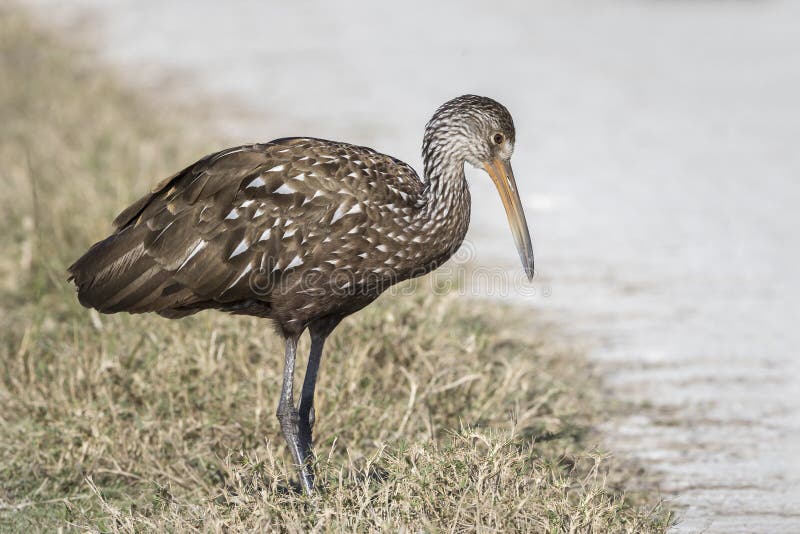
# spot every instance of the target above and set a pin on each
(498, 138)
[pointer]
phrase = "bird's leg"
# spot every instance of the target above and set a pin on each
(306, 409)
(288, 416)
(319, 331)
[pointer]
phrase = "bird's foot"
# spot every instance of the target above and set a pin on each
(299, 445)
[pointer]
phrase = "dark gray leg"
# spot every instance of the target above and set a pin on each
(319, 331)
(288, 417)
(306, 410)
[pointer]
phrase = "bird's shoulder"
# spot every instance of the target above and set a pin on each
(347, 169)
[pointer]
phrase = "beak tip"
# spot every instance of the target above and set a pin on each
(527, 265)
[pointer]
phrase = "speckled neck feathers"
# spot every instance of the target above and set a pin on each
(445, 215)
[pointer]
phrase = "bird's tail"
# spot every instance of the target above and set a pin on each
(116, 275)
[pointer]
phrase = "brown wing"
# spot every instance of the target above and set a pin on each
(256, 212)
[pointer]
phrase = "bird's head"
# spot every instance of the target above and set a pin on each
(479, 130)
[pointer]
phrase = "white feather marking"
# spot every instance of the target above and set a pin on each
(355, 209)
(241, 247)
(258, 182)
(265, 234)
(242, 275)
(259, 212)
(163, 230)
(277, 168)
(300, 177)
(284, 190)
(247, 203)
(337, 215)
(381, 247)
(233, 214)
(362, 255)
(197, 248)
(289, 233)
(352, 175)
(232, 151)
(294, 263)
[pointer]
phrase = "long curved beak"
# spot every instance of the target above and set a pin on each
(503, 178)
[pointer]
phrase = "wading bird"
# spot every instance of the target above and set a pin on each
(304, 232)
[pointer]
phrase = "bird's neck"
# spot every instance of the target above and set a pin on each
(444, 217)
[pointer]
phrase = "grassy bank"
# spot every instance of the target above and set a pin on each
(434, 412)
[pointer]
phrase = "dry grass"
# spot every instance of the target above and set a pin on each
(434, 412)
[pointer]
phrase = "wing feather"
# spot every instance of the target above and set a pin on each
(200, 236)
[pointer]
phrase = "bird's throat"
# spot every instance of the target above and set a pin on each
(444, 218)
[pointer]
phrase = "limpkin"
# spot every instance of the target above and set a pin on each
(304, 232)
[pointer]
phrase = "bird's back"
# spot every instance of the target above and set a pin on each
(263, 229)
